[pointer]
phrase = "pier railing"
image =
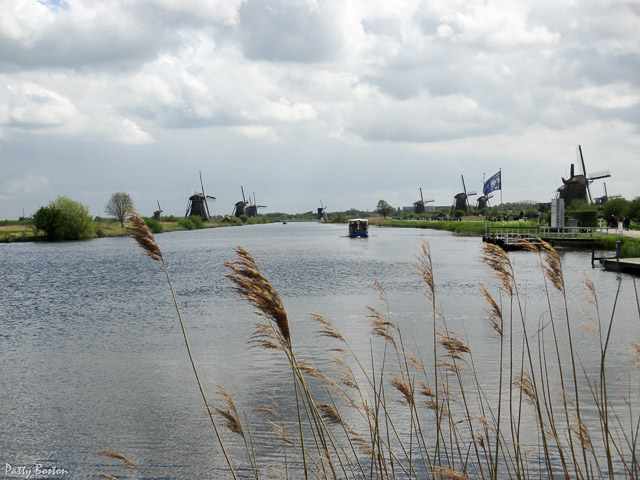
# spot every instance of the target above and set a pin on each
(514, 234)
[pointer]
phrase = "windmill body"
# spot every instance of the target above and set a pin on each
(461, 200)
(322, 212)
(197, 204)
(483, 201)
(418, 206)
(576, 187)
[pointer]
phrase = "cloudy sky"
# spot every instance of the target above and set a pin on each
(344, 101)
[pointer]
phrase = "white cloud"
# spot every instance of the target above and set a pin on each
(32, 106)
(24, 20)
(260, 132)
(607, 97)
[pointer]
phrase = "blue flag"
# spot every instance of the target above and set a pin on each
(494, 183)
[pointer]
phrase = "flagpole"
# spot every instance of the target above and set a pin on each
(501, 204)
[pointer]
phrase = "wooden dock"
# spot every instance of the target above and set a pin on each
(626, 265)
(511, 238)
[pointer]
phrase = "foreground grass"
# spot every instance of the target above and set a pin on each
(400, 415)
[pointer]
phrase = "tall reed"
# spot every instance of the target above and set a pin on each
(394, 415)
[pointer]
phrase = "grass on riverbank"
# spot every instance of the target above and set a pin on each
(400, 415)
(630, 246)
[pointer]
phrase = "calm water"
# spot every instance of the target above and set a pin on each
(93, 358)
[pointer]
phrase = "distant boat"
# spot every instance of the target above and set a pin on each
(358, 227)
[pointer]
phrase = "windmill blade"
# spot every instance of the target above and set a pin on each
(471, 193)
(598, 175)
(204, 195)
(429, 201)
(243, 199)
(464, 187)
(581, 158)
(421, 197)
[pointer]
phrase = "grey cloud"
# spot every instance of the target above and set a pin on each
(287, 31)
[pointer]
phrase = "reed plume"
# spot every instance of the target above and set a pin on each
(140, 232)
(254, 287)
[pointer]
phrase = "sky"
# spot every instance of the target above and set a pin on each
(301, 101)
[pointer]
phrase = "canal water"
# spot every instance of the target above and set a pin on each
(93, 358)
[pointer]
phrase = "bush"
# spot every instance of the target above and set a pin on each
(170, 218)
(194, 222)
(586, 218)
(64, 219)
(154, 225)
(186, 223)
(244, 218)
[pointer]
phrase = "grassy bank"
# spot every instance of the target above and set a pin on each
(24, 231)
(630, 246)
(462, 227)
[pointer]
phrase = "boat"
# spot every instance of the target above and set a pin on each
(358, 227)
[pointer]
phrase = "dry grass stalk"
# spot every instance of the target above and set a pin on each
(330, 414)
(229, 412)
(403, 388)
(254, 287)
(498, 260)
(495, 312)
(108, 477)
(424, 267)
(119, 456)
(327, 329)
(453, 345)
(446, 473)
(140, 232)
(553, 266)
(425, 389)
(523, 381)
(636, 353)
(280, 432)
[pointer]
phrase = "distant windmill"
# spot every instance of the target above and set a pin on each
(322, 212)
(252, 208)
(418, 207)
(461, 200)
(157, 215)
(577, 186)
(483, 201)
(602, 200)
(239, 207)
(197, 204)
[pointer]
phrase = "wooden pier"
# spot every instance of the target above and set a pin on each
(511, 238)
(626, 265)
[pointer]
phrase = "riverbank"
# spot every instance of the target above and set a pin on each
(25, 232)
(630, 238)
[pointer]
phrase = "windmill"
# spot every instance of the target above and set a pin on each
(197, 204)
(322, 212)
(157, 215)
(418, 207)
(461, 200)
(577, 186)
(239, 208)
(602, 200)
(252, 208)
(483, 201)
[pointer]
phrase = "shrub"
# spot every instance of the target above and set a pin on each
(154, 225)
(586, 218)
(244, 218)
(186, 223)
(170, 218)
(197, 221)
(64, 219)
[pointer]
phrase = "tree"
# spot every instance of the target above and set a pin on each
(616, 207)
(64, 219)
(117, 206)
(633, 211)
(384, 208)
